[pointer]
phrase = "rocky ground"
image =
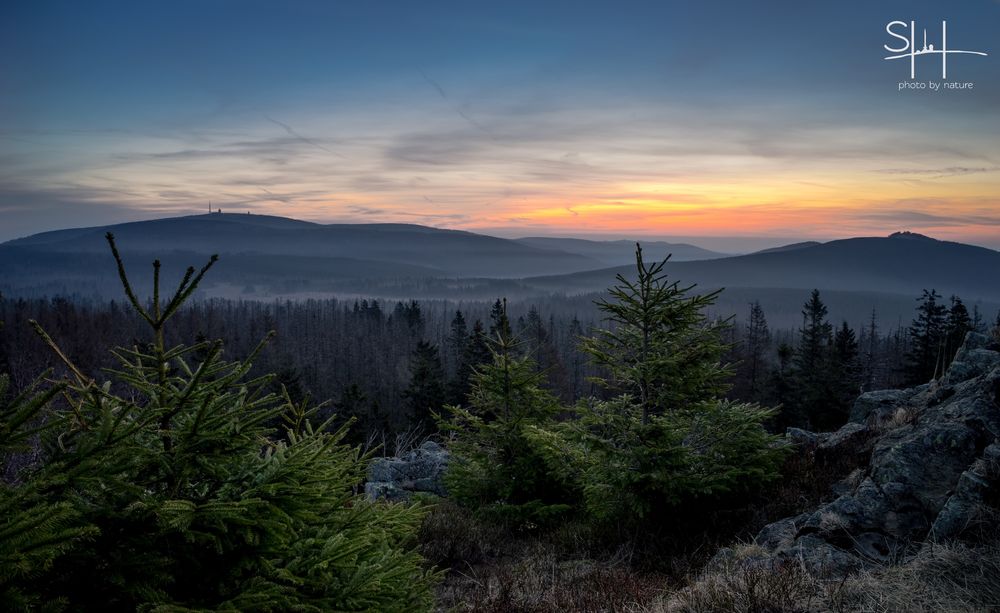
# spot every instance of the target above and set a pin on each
(933, 475)
(897, 510)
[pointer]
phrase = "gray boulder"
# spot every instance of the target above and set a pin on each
(398, 478)
(963, 510)
(804, 438)
(972, 359)
(849, 435)
(880, 405)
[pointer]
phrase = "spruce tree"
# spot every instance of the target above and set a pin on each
(476, 352)
(497, 468)
(575, 360)
(957, 325)
(667, 437)
(458, 338)
(426, 393)
(537, 342)
(659, 346)
(164, 488)
(36, 528)
(368, 423)
(846, 374)
(927, 335)
(758, 341)
(780, 386)
(812, 402)
(499, 322)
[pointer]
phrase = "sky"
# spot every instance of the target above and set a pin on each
(769, 120)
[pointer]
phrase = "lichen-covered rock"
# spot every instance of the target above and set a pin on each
(781, 533)
(975, 487)
(935, 463)
(804, 438)
(880, 405)
(821, 558)
(850, 434)
(421, 470)
(972, 359)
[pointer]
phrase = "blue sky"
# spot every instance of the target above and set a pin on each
(593, 118)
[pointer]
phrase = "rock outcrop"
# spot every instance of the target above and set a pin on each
(934, 468)
(398, 478)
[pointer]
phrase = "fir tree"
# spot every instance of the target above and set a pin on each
(476, 352)
(927, 335)
(780, 381)
(537, 343)
(497, 468)
(499, 322)
(659, 346)
(957, 325)
(458, 339)
(813, 404)
(367, 421)
(758, 341)
(36, 529)
(172, 493)
(846, 374)
(426, 393)
(667, 438)
(576, 361)
(978, 322)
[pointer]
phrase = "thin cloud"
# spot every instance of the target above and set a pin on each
(444, 96)
(929, 219)
(364, 210)
(437, 87)
(291, 132)
(937, 173)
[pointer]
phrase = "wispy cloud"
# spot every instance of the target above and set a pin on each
(938, 173)
(458, 109)
(291, 132)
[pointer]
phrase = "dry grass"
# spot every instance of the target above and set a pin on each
(540, 580)
(743, 582)
(903, 416)
(492, 568)
(947, 578)
(490, 571)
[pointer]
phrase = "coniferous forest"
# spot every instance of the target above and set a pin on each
(368, 357)
(215, 456)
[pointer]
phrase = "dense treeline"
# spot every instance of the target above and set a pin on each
(360, 354)
(390, 364)
(816, 371)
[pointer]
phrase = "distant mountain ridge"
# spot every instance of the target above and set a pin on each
(442, 252)
(621, 251)
(791, 247)
(902, 263)
(264, 256)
